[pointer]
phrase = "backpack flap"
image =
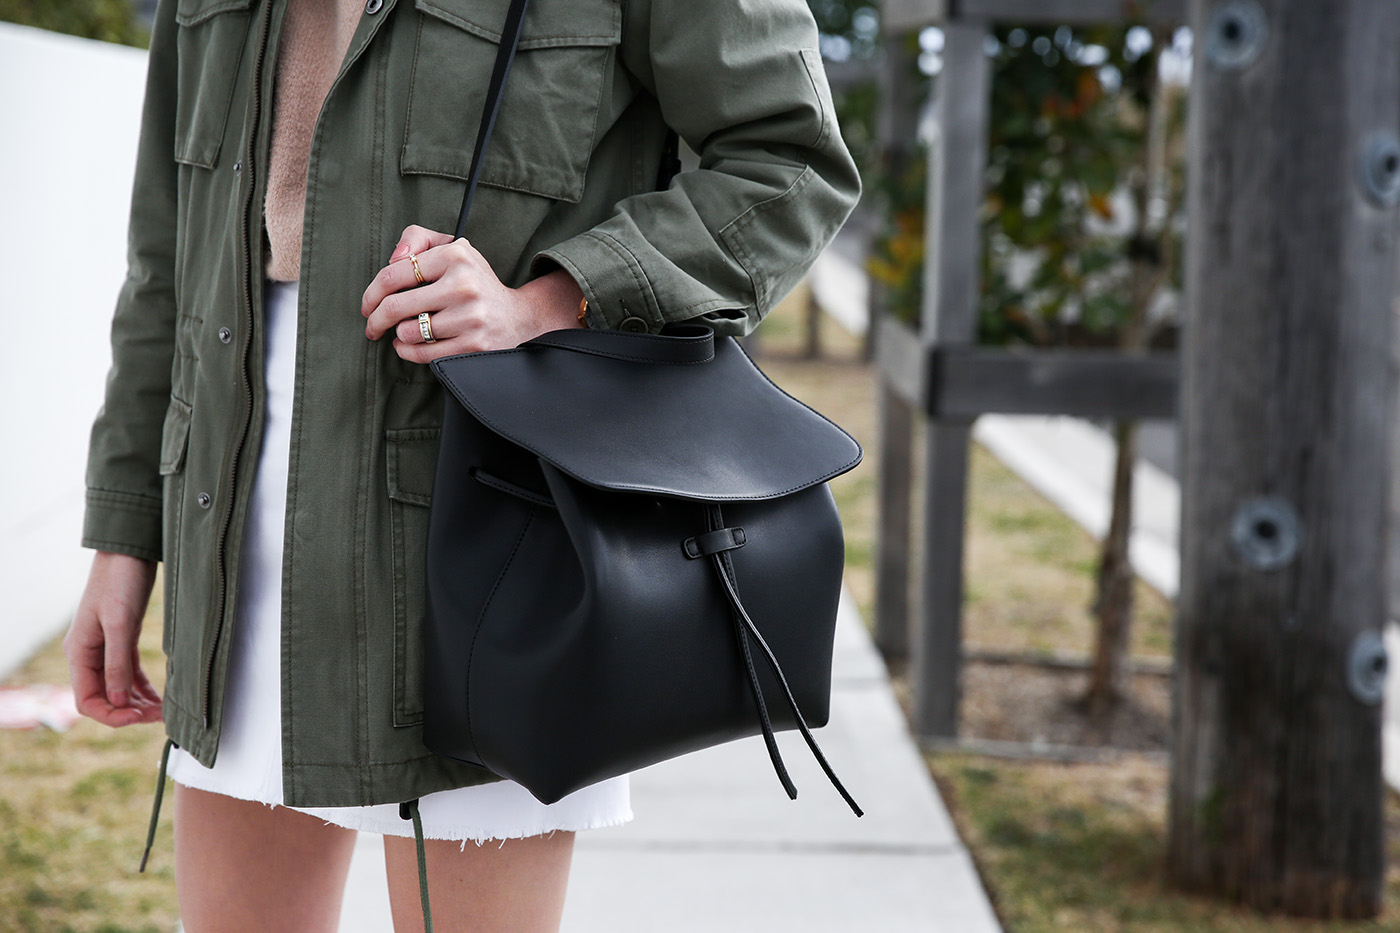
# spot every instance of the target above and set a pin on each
(685, 415)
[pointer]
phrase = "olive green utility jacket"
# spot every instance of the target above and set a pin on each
(568, 182)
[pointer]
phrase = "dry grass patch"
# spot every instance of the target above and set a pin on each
(73, 814)
(1078, 849)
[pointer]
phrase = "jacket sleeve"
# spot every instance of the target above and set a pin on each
(123, 483)
(746, 90)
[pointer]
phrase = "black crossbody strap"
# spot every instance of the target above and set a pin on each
(505, 55)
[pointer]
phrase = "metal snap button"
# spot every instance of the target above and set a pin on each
(633, 325)
(238, 167)
(225, 335)
(204, 500)
(373, 6)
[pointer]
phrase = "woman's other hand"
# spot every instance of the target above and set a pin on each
(101, 645)
(470, 309)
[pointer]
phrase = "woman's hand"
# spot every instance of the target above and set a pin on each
(470, 309)
(103, 659)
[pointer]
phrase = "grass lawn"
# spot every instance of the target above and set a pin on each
(1072, 848)
(1078, 849)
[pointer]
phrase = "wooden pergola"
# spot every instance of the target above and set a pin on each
(1285, 390)
(939, 373)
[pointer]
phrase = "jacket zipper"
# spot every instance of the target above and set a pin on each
(245, 379)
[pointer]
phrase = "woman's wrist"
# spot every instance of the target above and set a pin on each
(555, 299)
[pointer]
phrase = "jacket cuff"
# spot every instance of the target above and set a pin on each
(618, 292)
(124, 523)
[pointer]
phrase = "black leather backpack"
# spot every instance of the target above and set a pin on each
(620, 523)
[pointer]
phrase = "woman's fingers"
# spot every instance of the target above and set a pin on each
(415, 243)
(416, 239)
(101, 645)
(404, 307)
(87, 670)
(117, 649)
(146, 697)
(454, 274)
(469, 308)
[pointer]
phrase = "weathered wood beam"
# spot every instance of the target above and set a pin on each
(894, 551)
(962, 382)
(1072, 12)
(904, 15)
(957, 162)
(898, 16)
(900, 103)
(1288, 409)
(969, 381)
(900, 355)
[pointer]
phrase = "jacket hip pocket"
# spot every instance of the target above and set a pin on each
(174, 441)
(545, 130)
(412, 458)
(212, 34)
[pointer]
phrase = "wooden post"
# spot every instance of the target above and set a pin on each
(957, 163)
(812, 327)
(1288, 405)
(899, 114)
(893, 557)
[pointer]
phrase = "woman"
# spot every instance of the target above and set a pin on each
(298, 160)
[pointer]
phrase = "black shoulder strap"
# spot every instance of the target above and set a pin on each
(670, 161)
(505, 55)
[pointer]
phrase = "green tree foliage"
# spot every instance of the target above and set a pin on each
(108, 20)
(1067, 139)
(1066, 148)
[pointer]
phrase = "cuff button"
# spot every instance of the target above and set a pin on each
(633, 325)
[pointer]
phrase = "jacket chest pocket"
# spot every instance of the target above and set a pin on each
(412, 458)
(212, 34)
(545, 128)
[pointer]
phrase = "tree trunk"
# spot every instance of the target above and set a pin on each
(1288, 404)
(1113, 604)
(1149, 270)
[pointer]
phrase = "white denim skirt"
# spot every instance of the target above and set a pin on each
(249, 763)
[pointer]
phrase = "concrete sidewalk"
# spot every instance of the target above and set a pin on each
(716, 845)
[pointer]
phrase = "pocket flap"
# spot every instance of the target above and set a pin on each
(548, 23)
(174, 437)
(193, 12)
(412, 460)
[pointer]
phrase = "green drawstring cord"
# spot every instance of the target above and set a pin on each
(155, 809)
(409, 811)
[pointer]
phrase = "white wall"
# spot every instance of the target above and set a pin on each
(70, 110)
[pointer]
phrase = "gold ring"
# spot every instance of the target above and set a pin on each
(417, 272)
(425, 327)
